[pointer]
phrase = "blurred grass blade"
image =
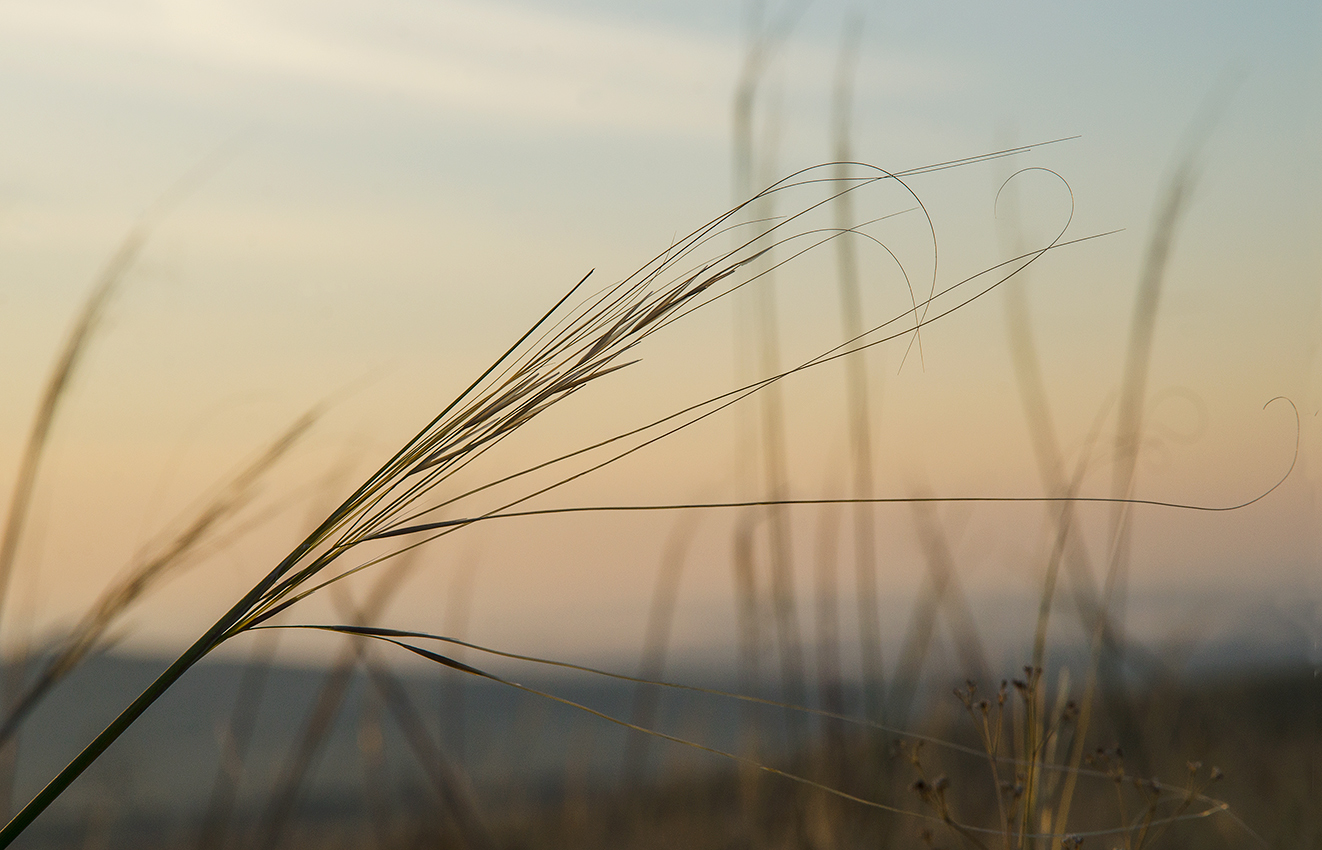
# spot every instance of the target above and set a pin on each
(941, 593)
(585, 343)
(89, 317)
(656, 642)
(453, 790)
(858, 387)
(325, 710)
(402, 638)
(164, 559)
(237, 736)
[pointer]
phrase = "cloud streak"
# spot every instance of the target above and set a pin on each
(485, 60)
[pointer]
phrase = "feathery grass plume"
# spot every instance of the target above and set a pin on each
(80, 335)
(56, 386)
(568, 349)
(20, 501)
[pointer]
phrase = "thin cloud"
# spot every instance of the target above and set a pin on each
(489, 60)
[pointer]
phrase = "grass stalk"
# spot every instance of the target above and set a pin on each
(14, 704)
(1067, 547)
(453, 792)
(858, 386)
(748, 622)
(762, 320)
(372, 756)
(940, 594)
(458, 609)
(656, 642)
(566, 350)
(830, 678)
(89, 317)
(775, 471)
(1129, 428)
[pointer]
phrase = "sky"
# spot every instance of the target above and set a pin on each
(370, 202)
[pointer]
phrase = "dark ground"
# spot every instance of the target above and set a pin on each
(520, 772)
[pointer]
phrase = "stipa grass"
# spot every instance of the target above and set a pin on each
(406, 502)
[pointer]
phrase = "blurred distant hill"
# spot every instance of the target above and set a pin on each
(1253, 707)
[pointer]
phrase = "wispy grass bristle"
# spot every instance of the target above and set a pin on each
(415, 496)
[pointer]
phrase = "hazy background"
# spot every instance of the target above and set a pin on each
(400, 188)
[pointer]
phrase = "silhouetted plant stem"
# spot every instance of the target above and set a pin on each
(858, 387)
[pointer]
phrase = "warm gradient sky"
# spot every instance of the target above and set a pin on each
(396, 189)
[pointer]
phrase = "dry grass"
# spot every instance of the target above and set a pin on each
(1022, 767)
